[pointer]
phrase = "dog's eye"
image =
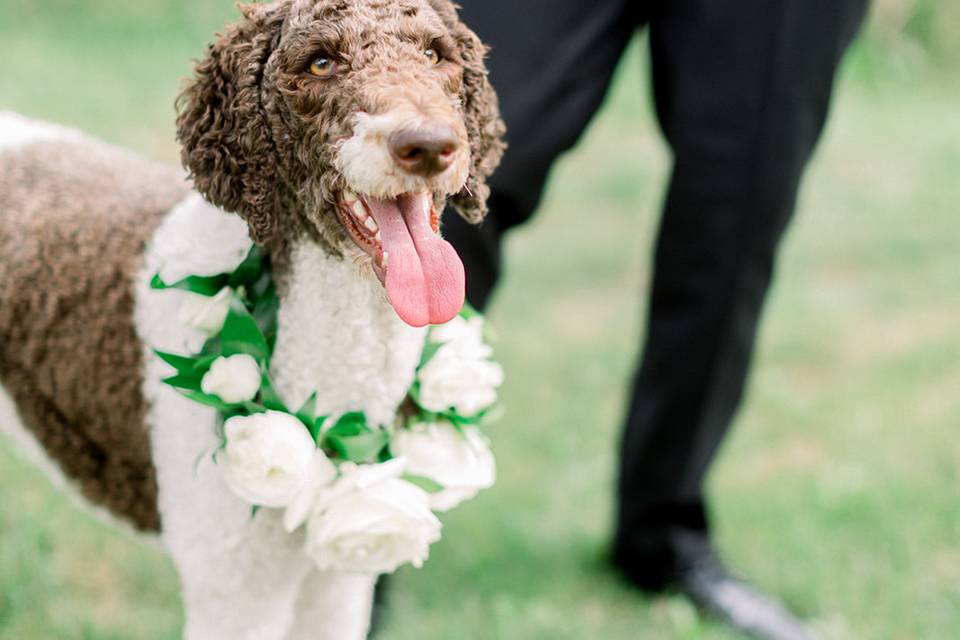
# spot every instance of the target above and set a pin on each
(433, 56)
(322, 67)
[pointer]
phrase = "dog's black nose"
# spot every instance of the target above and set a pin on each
(424, 151)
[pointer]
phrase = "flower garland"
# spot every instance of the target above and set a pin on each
(365, 493)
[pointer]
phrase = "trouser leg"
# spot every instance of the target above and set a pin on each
(551, 62)
(742, 90)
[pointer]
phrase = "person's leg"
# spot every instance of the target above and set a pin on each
(742, 91)
(551, 62)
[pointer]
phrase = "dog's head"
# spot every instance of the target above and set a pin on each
(351, 121)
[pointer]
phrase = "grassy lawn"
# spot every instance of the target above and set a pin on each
(840, 488)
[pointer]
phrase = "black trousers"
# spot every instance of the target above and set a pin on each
(742, 89)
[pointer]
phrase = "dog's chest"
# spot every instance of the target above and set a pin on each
(338, 336)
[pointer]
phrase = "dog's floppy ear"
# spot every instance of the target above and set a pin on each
(485, 128)
(225, 140)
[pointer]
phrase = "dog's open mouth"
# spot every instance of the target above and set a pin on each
(421, 271)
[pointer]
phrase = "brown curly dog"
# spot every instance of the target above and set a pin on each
(336, 131)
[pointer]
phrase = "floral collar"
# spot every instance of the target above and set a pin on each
(365, 492)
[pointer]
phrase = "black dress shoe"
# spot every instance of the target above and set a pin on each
(698, 573)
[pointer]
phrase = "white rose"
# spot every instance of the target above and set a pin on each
(370, 521)
(460, 377)
(459, 330)
(233, 379)
(321, 475)
(205, 313)
(268, 458)
(461, 463)
(460, 374)
(199, 239)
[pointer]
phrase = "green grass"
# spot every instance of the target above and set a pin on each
(840, 488)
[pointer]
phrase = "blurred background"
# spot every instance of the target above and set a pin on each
(840, 488)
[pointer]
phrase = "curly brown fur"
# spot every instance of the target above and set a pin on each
(226, 142)
(74, 219)
(260, 136)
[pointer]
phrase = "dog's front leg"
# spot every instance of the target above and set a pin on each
(333, 606)
(234, 588)
(240, 573)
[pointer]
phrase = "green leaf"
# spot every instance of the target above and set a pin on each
(180, 363)
(190, 369)
(430, 349)
(352, 423)
(269, 396)
(308, 412)
(249, 270)
(428, 485)
(426, 416)
(203, 362)
(209, 400)
(188, 381)
(462, 421)
(212, 347)
(208, 286)
(200, 362)
(258, 288)
(363, 447)
(265, 314)
(351, 438)
(240, 334)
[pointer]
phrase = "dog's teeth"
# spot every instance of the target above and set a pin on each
(349, 196)
(385, 259)
(371, 225)
(359, 210)
(377, 236)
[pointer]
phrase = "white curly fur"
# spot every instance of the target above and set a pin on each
(245, 577)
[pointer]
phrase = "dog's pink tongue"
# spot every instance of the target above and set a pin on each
(424, 274)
